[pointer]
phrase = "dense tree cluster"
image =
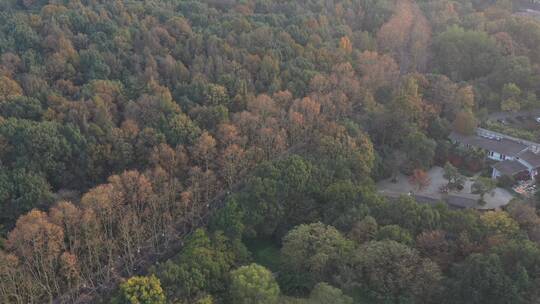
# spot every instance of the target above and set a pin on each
(136, 130)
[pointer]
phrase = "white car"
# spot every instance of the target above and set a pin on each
(537, 119)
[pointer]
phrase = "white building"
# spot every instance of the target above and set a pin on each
(515, 157)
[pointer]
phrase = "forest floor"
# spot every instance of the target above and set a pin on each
(495, 199)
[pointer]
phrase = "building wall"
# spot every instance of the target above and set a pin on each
(498, 157)
(495, 174)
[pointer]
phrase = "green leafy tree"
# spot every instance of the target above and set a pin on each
(394, 233)
(406, 213)
(179, 130)
(202, 266)
(511, 98)
(21, 107)
(324, 293)
(347, 154)
(420, 151)
(341, 198)
(21, 191)
(310, 253)
(455, 179)
(481, 279)
(253, 284)
(205, 300)
(390, 272)
(229, 219)
(277, 197)
(521, 261)
(49, 148)
(93, 65)
(483, 185)
(465, 54)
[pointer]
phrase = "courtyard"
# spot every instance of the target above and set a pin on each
(464, 198)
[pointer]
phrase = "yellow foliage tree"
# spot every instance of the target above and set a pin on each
(345, 44)
(499, 222)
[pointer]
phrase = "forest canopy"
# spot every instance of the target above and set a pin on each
(185, 151)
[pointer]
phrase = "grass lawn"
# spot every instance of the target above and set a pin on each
(265, 252)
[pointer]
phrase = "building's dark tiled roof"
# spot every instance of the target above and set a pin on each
(462, 201)
(531, 158)
(503, 146)
(509, 167)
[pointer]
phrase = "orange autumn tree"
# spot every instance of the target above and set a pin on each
(9, 88)
(465, 123)
(406, 35)
(419, 179)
